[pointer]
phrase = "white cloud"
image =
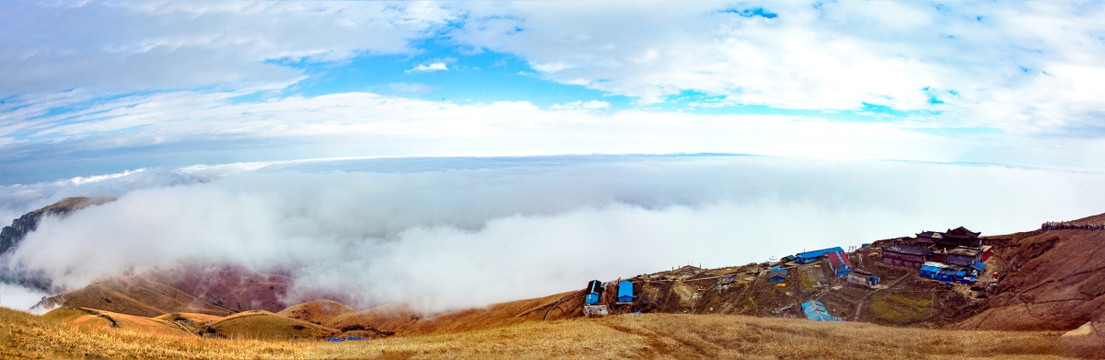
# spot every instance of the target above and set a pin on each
(124, 47)
(1031, 73)
(410, 88)
(479, 231)
(579, 104)
(435, 66)
(20, 298)
(353, 124)
(366, 124)
(831, 55)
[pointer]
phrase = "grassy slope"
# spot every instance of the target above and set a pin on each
(260, 324)
(648, 336)
(316, 311)
(24, 335)
(135, 296)
(1053, 281)
(106, 319)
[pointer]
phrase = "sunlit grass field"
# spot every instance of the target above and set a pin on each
(650, 336)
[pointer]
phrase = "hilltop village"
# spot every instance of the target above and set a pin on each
(924, 279)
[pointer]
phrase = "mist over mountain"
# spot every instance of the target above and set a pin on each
(452, 233)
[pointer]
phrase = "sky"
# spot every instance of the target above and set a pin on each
(402, 140)
(100, 87)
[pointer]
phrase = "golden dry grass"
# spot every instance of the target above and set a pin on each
(264, 325)
(650, 336)
(25, 336)
(672, 336)
(136, 296)
(189, 316)
(106, 319)
(316, 311)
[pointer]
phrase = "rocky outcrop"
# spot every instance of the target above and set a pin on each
(10, 236)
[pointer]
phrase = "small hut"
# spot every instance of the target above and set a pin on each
(862, 278)
(816, 311)
(778, 275)
(625, 291)
(594, 292)
(840, 264)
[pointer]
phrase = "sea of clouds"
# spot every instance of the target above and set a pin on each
(453, 233)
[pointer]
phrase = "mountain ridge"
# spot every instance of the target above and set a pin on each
(1035, 289)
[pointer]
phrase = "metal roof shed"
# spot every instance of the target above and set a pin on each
(777, 275)
(594, 292)
(811, 256)
(625, 291)
(839, 263)
(816, 311)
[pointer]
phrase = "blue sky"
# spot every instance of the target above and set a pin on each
(89, 87)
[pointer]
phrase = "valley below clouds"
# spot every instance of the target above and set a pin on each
(449, 233)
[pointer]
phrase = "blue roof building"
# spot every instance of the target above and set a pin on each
(594, 292)
(840, 264)
(625, 291)
(816, 311)
(811, 256)
(942, 272)
(777, 275)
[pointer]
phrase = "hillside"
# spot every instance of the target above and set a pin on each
(1049, 279)
(134, 295)
(215, 290)
(622, 337)
(209, 289)
(1054, 280)
(1038, 288)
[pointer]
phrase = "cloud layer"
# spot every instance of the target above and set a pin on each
(488, 231)
(213, 82)
(121, 47)
(1024, 68)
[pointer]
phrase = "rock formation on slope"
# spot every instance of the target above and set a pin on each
(10, 236)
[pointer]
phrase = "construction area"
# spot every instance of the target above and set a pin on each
(926, 280)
